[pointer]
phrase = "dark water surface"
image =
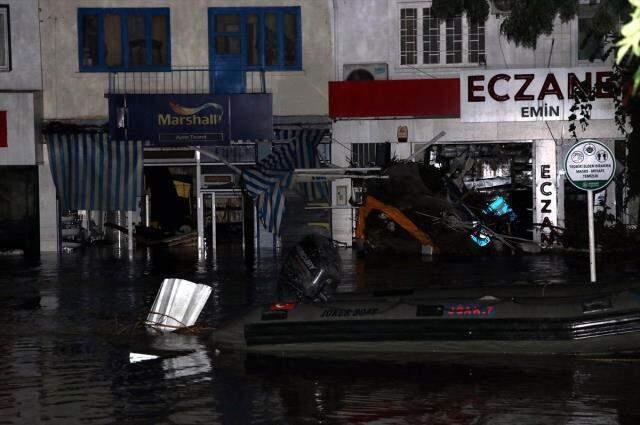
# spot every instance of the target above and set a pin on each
(68, 361)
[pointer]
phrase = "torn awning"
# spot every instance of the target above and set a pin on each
(267, 182)
(92, 172)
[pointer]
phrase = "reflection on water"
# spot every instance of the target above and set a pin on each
(68, 361)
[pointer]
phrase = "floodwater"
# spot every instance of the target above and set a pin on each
(68, 361)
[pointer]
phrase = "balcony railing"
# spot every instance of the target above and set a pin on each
(177, 81)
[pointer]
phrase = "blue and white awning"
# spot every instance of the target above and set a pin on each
(274, 174)
(92, 172)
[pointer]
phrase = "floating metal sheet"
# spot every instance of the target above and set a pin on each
(178, 304)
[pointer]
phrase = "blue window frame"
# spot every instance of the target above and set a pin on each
(124, 39)
(263, 38)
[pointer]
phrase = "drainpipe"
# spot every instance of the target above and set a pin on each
(334, 39)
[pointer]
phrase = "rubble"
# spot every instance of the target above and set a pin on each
(451, 211)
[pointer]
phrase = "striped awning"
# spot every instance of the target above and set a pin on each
(92, 172)
(306, 156)
(267, 182)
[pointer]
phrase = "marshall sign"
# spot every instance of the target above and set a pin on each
(531, 94)
(190, 119)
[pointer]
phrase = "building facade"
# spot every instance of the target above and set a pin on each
(201, 93)
(182, 38)
(26, 222)
(220, 75)
(505, 107)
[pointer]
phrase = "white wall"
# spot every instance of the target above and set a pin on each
(21, 137)
(70, 94)
(25, 47)
(19, 88)
(423, 130)
(368, 31)
(21, 98)
(48, 208)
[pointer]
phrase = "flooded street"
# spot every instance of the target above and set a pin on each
(68, 362)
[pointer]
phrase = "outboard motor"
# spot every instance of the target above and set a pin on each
(312, 269)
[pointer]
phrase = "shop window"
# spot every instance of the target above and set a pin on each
(253, 38)
(431, 38)
(324, 152)
(370, 154)
(265, 37)
(137, 44)
(118, 39)
(476, 42)
(270, 39)
(454, 39)
(408, 36)
(5, 39)
(422, 35)
(291, 37)
(112, 41)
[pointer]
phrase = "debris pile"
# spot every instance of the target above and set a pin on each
(422, 204)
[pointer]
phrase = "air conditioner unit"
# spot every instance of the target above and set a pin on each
(365, 71)
(501, 7)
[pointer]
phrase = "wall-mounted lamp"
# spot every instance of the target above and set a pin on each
(403, 134)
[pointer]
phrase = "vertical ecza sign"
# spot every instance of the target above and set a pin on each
(545, 199)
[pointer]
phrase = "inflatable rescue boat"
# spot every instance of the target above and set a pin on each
(551, 319)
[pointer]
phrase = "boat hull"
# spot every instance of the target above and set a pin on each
(568, 320)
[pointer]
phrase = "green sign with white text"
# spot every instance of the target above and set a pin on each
(590, 165)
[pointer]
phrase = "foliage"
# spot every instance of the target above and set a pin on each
(476, 10)
(628, 64)
(530, 19)
(630, 41)
(585, 94)
(612, 236)
(581, 108)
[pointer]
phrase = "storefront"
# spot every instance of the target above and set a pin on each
(21, 225)
(505, 132)
(195, 148)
